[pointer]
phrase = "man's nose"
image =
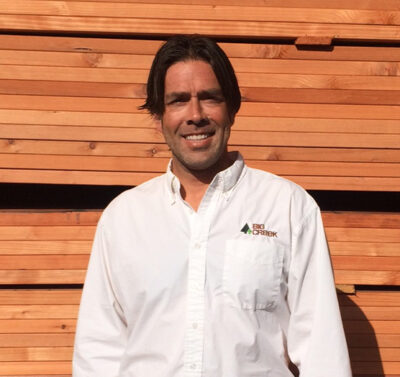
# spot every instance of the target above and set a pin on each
(196, 113)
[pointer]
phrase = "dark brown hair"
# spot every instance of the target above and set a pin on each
(182, 48)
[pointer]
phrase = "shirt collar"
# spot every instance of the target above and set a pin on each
(225, 180)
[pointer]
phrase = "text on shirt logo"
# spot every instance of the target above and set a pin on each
(258, 230)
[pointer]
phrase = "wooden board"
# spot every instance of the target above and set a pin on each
(297, 94)
(250, 109)
(320, 4)
(136, 178)
(254, 81)
(225, 20)
(264, 153)
(378, 125)
(36, 354)
(90, 46)
(41, 296)
(17, 60)
(205, 12)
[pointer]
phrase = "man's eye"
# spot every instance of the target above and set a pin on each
(176, 101)
(214, 99)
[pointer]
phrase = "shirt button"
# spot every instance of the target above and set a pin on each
(193, 366)
(194, 325)
(197, 245)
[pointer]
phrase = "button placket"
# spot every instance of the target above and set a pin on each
(194, 338)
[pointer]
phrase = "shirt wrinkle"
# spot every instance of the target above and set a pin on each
(306, 217)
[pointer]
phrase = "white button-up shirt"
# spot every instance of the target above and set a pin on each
(236, 289)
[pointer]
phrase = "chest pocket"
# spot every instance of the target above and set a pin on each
(252, 273)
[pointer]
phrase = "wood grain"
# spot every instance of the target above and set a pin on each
(204, 12)
(212, 28)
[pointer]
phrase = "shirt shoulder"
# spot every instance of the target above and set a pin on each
(275, 182)
(135, 199)
(285, 193)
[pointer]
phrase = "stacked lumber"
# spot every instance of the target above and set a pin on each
(327, 120)
(40, 248)
(339, 19)
(372, 324)
(45, 247)
(365, 247)
(37, 331)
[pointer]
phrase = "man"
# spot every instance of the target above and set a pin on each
(212, 269)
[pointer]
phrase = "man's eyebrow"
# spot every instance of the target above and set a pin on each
(213, 92)
(210, 93)
(174, 95)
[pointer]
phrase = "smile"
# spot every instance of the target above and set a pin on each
(198, 136)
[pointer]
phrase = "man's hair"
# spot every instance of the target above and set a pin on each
(184, 48)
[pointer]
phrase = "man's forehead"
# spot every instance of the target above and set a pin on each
(179, 76)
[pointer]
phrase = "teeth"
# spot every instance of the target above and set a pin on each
(196, 137)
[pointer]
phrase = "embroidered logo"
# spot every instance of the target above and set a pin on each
(258, 230)
(246, 229)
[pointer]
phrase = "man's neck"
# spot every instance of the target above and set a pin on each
(194, 183)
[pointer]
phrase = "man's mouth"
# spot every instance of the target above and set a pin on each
(198, 136)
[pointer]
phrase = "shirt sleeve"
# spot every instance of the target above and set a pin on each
(101, 330)
(316, 340)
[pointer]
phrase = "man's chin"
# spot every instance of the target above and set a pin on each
(199, 165)
(210, 164)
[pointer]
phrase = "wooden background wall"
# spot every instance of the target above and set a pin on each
(321, 94)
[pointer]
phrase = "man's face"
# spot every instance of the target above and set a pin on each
(196, 123)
